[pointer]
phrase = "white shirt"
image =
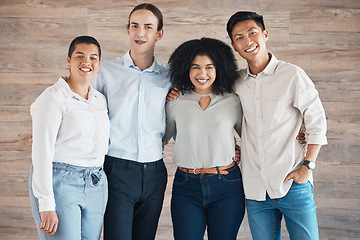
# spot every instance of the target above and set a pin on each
(276, 103)
(136, 101)
(68, 129)
(204, 138)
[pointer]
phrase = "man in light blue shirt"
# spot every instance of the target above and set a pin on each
(136, 101)
(135, 86)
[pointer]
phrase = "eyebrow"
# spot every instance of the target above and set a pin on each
(210, 64)
(146, 24)
(239, 34)
(92, 54)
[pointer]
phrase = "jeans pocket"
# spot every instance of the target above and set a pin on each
(110, 172)
(234, 175)
(296, 183)
(180, 177)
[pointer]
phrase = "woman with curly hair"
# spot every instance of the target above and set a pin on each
(207, 189)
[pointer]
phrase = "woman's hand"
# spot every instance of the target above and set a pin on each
(49, 222)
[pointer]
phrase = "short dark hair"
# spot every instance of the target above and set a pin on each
(243, 16)
(152, 8)
(83, 39)
(220, 53)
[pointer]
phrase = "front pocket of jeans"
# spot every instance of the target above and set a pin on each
(180, 178)
(234, 175)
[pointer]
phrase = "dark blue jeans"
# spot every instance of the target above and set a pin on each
(136, 194)
(214, 201)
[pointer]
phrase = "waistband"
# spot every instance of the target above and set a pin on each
(60, 165)
(215, 170)
(132, 163)
(90, 174)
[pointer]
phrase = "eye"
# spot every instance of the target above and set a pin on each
(148, 27)
(210, 67)
(78, 56)
(94, 58)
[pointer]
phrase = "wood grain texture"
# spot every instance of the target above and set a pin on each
(320, 36)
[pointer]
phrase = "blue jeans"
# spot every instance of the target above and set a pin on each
(298, 209)
(80, 197)
(213, 200)
(136, 194)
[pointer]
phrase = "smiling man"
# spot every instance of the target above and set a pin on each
(278, 100)
(135, 86)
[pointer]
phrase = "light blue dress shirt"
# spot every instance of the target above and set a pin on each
(136, 103)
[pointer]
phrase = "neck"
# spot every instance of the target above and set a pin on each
(203, 92)
(82, 89)
(142, 61)
(258, 65)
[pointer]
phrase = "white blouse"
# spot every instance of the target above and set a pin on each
(69, 129)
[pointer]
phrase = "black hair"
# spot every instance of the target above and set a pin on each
(219, 52)
(243, 16)
(83, 39)
(152, 8)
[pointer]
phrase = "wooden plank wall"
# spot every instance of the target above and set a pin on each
(321, 36)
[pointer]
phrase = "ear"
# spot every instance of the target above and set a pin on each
(68, 61)
(266, 34)
(160, 34)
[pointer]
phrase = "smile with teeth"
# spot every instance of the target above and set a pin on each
(140, 42)
(202, 80)
(251, 49)
(85, 69)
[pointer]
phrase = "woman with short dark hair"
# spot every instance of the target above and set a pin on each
(70, 129)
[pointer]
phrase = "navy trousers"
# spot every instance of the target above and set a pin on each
(136, 194)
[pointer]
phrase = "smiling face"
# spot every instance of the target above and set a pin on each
(142, 32)
(84, 62)
(250, 41)
(202, 74)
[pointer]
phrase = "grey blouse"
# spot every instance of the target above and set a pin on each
(203, 138)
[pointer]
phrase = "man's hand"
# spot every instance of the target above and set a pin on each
(172, 95)
(301, 138)
(49, 222)
(237, 153)
(300, 176)
(30, 142)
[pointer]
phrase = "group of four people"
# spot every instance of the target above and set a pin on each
(119, 111)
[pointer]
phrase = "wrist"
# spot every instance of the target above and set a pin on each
(309, 164)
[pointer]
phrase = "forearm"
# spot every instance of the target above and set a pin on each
(312, 152)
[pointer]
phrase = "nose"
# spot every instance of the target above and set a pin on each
(202, 72)
(248, 40)
(141, 31)
(86, 61)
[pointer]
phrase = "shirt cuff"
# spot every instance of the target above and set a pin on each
(46, 204)
(316, 139)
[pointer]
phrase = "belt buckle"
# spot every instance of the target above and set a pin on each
(195, 171)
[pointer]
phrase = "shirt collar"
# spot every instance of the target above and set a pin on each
(70, 94)
(269, 69)
(128, 62)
